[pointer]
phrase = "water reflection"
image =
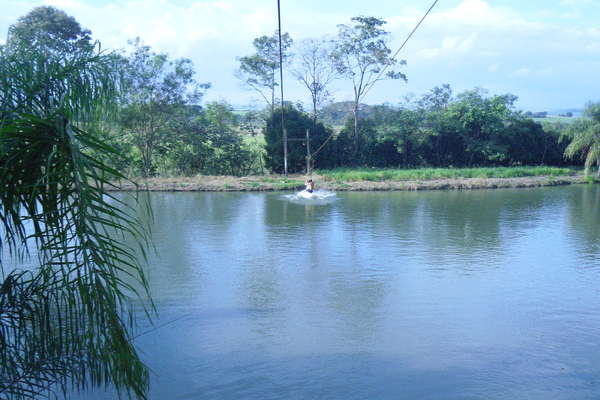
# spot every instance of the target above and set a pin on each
(584, 218)
(449, 295)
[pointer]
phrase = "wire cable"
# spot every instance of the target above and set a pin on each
(403, 44)
(385, 67)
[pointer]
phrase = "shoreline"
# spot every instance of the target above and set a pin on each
(268, 183)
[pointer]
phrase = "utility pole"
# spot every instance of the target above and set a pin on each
(307, 153)
(284, 132)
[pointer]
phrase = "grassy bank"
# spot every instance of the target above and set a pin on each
(375, 179)
(426, 174)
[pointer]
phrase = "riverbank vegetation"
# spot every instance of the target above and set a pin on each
(371, 179)
(422, 174)
(162, 128)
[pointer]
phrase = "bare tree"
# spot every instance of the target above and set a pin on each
(315, 70)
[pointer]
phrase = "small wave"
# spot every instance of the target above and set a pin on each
(316, 197)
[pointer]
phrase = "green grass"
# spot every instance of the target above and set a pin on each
(252, 184)
(288, 184)
(378, 175)
(283, 183)
(270, 180)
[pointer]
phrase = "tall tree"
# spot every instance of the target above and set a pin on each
(586, 137)
(315, 71)
(46, 29)
(67, 274)
(161, 94)
(259, 70)
(361, 52)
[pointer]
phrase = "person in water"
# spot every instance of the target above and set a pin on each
(310, 186)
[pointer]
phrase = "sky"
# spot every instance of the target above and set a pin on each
(545, 52)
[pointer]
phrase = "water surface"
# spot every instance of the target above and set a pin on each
(488, 294)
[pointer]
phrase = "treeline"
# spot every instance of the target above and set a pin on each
(436, 129)
(161, 126)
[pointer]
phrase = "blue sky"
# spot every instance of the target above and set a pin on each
(545, 52)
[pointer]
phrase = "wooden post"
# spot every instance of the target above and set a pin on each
(307, 153)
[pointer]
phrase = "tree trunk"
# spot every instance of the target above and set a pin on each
(273, 100)
(355, 114)
(598, 163)
(314, 115)
(356, 138)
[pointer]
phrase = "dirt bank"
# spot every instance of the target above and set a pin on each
(295, 182)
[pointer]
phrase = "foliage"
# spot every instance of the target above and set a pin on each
(160, 103)
(375, 174)
(258, 71)
(402, 129)
(213, 144)
(296, 124)
(164, 130)
(360, 55)
(585, 133)
(64, 316)
(529, 143)
(230, 156)
(342, 150)
(336, 114)
(48, 29)
(438, 129)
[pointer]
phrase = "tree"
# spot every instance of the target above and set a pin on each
(160, 100)
(69, 273)
(586, 137)
(480, 122)
(229, 155)
(436, 99)
(403, 129)
(296, 124)
(361, 54)
(258, 71)
(315, 71)
(48, 29)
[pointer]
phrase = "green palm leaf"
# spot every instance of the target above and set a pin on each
(65, 323)
(585, 134)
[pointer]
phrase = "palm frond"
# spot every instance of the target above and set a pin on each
(67, 323)
(585, 140)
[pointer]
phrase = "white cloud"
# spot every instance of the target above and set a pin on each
(463, 44)
(521, 73)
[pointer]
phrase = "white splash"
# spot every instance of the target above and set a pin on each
(316, 197)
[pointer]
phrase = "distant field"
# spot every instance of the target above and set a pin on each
(554, 118)
(372, 174)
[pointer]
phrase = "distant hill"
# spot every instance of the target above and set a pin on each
(336, 114)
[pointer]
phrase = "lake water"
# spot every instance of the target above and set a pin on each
(429, 295)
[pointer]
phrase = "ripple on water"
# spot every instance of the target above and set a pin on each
(437, 295)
